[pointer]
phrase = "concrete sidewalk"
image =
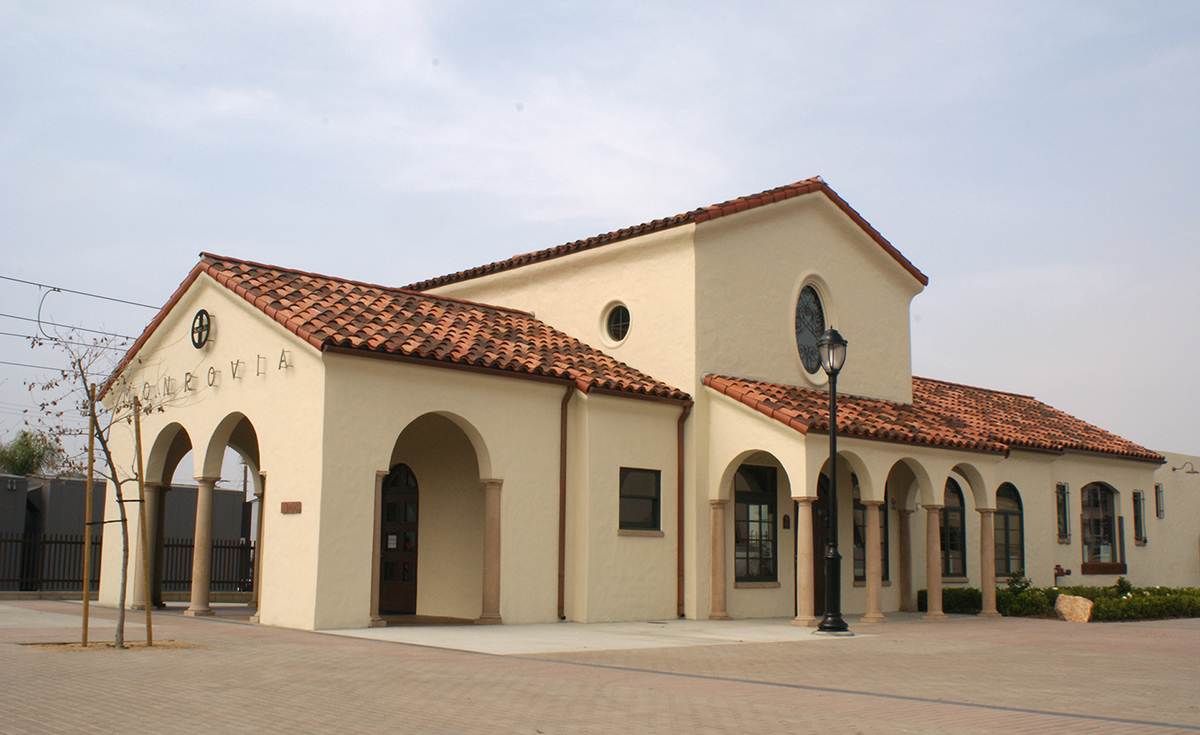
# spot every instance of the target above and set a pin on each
(964, 675)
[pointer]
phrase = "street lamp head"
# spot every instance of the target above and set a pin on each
(833, 351)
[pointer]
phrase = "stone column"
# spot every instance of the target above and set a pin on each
(717, 611)
(874, 559)
(933, 562)
(987, 561)
(261, 495)
(140, 595)
(202, 548)
(491, 554)
(159, 544)
(804, 563)
(908, 597)
(377, 551)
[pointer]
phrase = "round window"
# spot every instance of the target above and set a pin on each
(617, 323)
(810, 324)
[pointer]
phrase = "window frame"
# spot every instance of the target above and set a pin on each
(803, 324)
(954, 522)
(1003, 528)
(655, 524)
(1062, 501)
(1139, 518)
(617, 319)
(766, 478)
(1100, 522)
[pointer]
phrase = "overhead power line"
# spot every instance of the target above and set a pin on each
(46, 367)
(60, 326)
(59, 339)
(81, 293)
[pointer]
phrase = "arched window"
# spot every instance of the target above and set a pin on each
(755, 496)
(954, 532)
(1010, 531)
(810, 324)
(860, 536)
(1098, 525)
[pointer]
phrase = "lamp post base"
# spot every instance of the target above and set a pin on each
(839, 633)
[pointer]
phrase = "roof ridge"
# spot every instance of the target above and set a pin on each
(985, 390)
(366, 284)
(702, 214)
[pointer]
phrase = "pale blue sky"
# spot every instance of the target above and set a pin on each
(1040, 162)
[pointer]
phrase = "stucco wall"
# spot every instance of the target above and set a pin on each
(284, 404)
(621, 575)
(652, 275)
(513, 428)
(750, 268)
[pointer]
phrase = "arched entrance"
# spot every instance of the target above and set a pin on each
(399, 524)
(431, 521)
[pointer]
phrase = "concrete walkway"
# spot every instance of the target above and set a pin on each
(964, 675)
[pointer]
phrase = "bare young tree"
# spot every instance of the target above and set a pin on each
(73, 393)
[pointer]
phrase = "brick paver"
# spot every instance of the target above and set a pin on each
(965, 675)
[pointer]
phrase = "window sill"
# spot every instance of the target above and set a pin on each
(755, 585)
(1140, 543)
(863, 583)
(635, 532)
(1066, 540)
(956, 580)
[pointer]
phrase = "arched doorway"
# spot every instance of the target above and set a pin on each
(434, 497)
(398, 533)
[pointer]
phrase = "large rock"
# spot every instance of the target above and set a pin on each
(1073, 609)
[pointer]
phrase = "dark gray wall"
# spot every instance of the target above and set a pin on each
(12, 504)
(180, 521)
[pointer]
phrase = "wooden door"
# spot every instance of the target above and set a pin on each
(398, 542)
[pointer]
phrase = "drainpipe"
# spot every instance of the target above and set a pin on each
(562, 504)
(687, 409)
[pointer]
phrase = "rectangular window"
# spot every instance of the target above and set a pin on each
(640, 499)
(1158, 501)
(1064, 526)
(754, 535)
(1139, 518)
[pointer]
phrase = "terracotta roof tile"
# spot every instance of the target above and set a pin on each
(331, 313)
(704, 214)
(941, 414)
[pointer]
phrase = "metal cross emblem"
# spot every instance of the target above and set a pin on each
(200, 326)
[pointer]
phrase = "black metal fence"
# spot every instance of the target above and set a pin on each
(232, 565)
(40, 562)
(54, 563)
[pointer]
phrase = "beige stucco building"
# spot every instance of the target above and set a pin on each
(628, 427)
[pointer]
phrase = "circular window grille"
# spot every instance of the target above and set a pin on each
(810, 323)
(617, 323)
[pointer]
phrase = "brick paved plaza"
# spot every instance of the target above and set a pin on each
(964, 675)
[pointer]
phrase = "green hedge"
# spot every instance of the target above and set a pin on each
(955, 601)
(1122, 601)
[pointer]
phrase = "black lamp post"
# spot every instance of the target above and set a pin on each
(833, 355)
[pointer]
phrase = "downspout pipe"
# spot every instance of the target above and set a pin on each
(562, 504)
(687, 409)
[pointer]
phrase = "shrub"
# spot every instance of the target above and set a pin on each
(962, 600)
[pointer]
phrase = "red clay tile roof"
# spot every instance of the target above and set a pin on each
(336, 314)
(733, 206)
(942, 414)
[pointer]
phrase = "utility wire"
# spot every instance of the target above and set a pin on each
(43, 367)
(81, 293)
(59, 326)
(58, 339)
